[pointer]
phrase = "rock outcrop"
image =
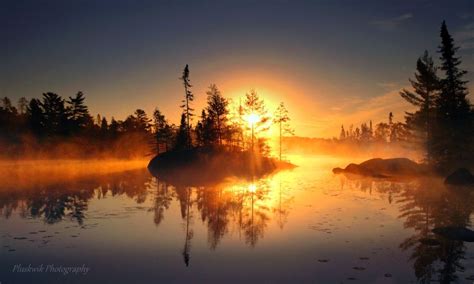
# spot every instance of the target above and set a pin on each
(455, 233)
(203, 166)
(384, 168)
(461, 176)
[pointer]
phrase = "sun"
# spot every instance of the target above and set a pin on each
(252, 188)
(252, 118)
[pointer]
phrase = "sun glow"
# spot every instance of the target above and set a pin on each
(252, 188)
(252, 118)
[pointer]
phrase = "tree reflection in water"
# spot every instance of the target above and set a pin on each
(246, 205)
(55, 200)
(242, 206)
(426, 204)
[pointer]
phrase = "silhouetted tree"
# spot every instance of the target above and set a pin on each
(398, 131)
(342, 135)
(382, 132)
(186, 106)
(206, 133)
(54, 114)
(182, 137)
(425, 86)
(365, 133)
(217, 110)
(282, 118)
(78, 113)
(163, 131)
(7, 105)
(34, 115)
(9, 121)
(104, 126)
(142, 121)
(22, 105)
(454, 131)
(254, 108)
(113, 128)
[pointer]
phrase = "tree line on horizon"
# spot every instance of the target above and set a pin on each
(383, 132)
(52, 126)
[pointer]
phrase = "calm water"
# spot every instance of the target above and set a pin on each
(304, 225)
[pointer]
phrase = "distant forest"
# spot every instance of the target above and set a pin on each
(54, 127)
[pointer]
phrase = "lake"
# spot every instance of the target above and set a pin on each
(95, 222)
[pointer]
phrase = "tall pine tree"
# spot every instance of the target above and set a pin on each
(257, 116)
(282, 119)
(217, 111)
(425, 91)
(453, 134)
(186, 106)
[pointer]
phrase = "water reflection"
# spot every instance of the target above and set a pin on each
(181, 226)
(54, 200)
(425, 204)
(242, 206)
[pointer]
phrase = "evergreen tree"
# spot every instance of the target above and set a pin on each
(217, 110)
(9, 122)
(142, 122)
(425, 86)
(54, 114)
(382, 132)
(342, 135)
(104, 127)
(186, 106)
(7, 105)
(34, 115)
(113, 128)
(182, 136)
(257, 117)
(163, 131)
(78, 113)
(454, 131)
(206, 131)
(365, 133)
(22, 105)
(282, 118)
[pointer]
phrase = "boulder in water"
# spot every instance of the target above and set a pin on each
(461, 176)
(455, 233)
(384, 168)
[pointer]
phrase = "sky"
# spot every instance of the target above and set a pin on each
(330, 62)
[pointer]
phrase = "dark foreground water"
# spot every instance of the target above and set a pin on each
(304, 225)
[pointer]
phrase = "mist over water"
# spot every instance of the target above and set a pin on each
(309, 222)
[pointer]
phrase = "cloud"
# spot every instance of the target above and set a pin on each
(356, 111)
(387, 85)
(391, 24)
(465, 16)
(465, 36)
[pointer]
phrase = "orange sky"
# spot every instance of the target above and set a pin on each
(330, 62)
(316, 108)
